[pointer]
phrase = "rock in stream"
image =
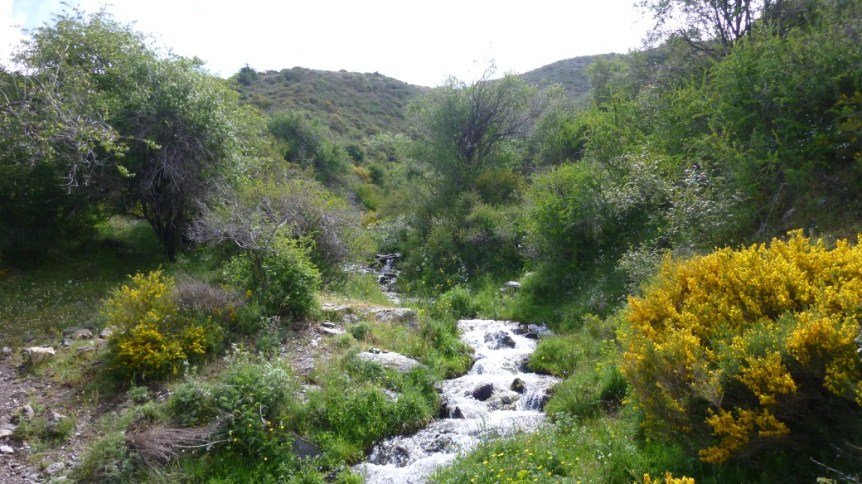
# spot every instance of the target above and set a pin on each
(482, 404)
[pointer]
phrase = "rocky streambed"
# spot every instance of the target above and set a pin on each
(497, 397)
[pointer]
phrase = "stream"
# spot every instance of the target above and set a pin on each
(497, 397)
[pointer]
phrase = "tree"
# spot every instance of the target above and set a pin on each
(114, 119)
(466, 128)
(710, 26)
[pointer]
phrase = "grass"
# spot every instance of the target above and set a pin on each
(67, 289)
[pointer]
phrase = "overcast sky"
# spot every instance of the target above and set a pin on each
(418, 42)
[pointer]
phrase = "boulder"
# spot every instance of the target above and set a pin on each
(394, 315)
(77, 333)
(82, 333)
(483, 392)
(5, 449)
(518, 385)
(393, 361)
(457, 413)
(4, 433)
(106, 333)
(499, 339)
(38, 354)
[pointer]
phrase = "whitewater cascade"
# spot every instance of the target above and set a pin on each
(497, 397)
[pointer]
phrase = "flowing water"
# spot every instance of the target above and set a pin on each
(497, 397)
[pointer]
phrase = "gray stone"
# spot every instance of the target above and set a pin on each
(7, 350)
(334, 331)
(4, 433)
(394, 361)
(82, 333)
(38, 354)
(5, 449)
(511, 286)
(483, 392)
(55, 468)
(86, 349)
(106, 333)
(27, 411)
(395, 315)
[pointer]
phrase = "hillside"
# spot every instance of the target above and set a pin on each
(570, 73)
(352, 104)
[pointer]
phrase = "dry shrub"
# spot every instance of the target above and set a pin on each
(200, 297)
(159, 444)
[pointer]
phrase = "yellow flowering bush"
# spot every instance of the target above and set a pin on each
(667, 479)
(734, 350)
(152, 338)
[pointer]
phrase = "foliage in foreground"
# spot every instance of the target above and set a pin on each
(152, 337)
(737, 350)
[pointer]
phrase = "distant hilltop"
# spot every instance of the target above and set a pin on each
(356, 105)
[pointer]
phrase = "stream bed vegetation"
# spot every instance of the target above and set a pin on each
(198, 251)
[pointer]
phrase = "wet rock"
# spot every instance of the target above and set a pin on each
(38, 354)
(396, 456)
(483, 392)
(393, 361)
(499, 339)
(457, 413)
(506, 401)
(518, 385)
(5, 449)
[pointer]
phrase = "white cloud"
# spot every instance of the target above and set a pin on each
(422, 43)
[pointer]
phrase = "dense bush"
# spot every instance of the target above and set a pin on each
(283, 278)
(253, 403)
(152, 338)
(739, 348)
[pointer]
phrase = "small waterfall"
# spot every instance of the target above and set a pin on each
(497, 397)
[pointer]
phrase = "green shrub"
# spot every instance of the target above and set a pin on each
(254, 402)
(455, 303)
(282, 279)
(108, 460)
(152, 339)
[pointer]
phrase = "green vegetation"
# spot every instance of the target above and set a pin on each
(351, 104)
(650, 210)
